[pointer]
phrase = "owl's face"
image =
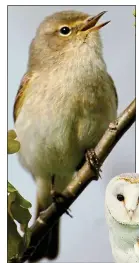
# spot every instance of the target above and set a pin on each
(122, 199)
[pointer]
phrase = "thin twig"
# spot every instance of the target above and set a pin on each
(85, 175)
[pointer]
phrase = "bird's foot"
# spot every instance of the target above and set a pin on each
(57, 196)
(93, 162)
(113, 126)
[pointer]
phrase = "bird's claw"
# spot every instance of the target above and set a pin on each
(56, 199)
(93, 162)
(56, 196)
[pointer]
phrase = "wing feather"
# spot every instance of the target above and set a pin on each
(114, 89)
(21, 94)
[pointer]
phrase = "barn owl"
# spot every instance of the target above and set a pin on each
(122, 215)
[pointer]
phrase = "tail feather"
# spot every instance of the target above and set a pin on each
(49, 246)
(53, 247)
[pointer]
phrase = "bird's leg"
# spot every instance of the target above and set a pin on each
(81, 163)
(93, 162)
(56, 195)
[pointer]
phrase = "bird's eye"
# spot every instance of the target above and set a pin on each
(120, 197)
(65, 31)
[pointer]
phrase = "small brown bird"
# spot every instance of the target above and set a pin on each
(65, 103)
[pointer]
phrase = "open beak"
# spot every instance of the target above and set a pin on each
(91, 21)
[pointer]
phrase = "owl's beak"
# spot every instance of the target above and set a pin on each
(130, 213)
(91, 21)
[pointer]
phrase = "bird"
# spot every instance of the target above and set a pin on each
(122, 217)
(64, 104)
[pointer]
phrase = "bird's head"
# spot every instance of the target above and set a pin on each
(122, 199)
(65, 33)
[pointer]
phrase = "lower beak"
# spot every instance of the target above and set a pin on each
(90, 22)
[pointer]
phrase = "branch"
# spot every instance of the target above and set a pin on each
(85, 175)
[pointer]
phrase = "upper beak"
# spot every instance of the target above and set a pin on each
(131, 213)
(91, 21)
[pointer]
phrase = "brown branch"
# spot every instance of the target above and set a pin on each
(85, 175)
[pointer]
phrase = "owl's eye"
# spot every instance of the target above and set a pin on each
(120, 197)
(65, 31)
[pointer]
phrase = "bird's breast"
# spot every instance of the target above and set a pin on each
(59, 122)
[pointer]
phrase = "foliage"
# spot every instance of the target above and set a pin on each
(18, 210)
(134, 14)
(13, 144)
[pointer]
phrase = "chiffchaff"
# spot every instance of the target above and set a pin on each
(65, 103)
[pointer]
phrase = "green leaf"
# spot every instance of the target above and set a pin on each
(13, 146)
(134, 13)
(18, 206)
(11, 188)
(15, 241)
(23, 202)
(17, 210)
(27, 236)
(11, 200)
(20, 214)
(12, 134)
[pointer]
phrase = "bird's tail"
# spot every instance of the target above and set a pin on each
(49, 246)
(53, 246)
